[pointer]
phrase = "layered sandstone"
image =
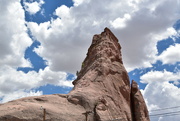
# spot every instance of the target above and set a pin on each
(101, 91)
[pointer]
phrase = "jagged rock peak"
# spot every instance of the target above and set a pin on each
(104, 51)
(104, 44)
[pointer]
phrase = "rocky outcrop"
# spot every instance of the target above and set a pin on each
(101, 91)
(102, 85)
(139, 109)
(32, 109)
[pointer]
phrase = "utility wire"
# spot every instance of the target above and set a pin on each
(165, 113)
(166, 108)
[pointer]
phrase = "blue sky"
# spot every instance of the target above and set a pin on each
(43, 43)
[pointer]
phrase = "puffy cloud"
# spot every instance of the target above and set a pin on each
(13, 43)
(120, 22)
(33, 7)
(12, 81)
(62, 12)
(160, 76)
(14, 39)
(139, 25)
(171, 55)
(78, 2)
(146, 26)
(161, 93)
(59, 78)
(19, 94)
(170, 32)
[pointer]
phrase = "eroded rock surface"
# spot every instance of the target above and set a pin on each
(101, 91)
(31, 109)
(103, 85)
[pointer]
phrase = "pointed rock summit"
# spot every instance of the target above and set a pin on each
(101, 92)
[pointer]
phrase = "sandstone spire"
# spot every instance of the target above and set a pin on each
(101, 91)
(102, 85)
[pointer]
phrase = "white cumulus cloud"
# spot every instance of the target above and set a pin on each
(78, 2)
(33, 7)
(13, 43)
(139, 25)
(159, 96)
(14, 39)
(161, 93)
(20, 94)
(12, 81)
(120, 22)
(160, 76)
(63, 12)
(171, 55)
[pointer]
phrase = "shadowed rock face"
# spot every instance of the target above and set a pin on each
(101, 91)
(139, 109)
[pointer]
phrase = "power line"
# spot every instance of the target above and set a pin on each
(166, 108)
(167, 113)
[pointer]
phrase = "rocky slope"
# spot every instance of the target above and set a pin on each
(101, 91)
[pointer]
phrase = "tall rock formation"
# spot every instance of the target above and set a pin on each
(101, 91)
(103, 84)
